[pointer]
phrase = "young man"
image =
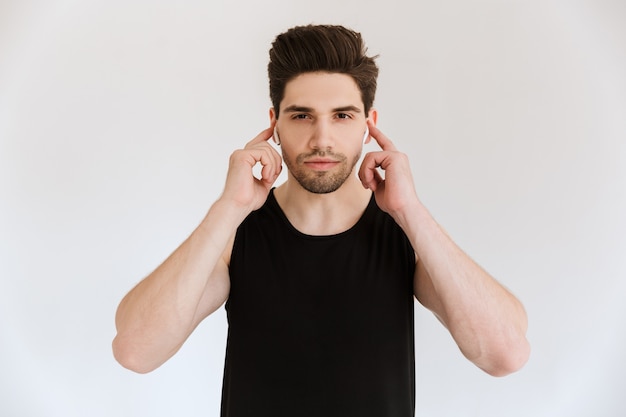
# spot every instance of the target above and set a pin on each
(319, 274)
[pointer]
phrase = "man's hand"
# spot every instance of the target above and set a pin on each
(396, 191)
(242, 187)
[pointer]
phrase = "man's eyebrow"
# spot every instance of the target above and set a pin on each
(347, 108)
(303, 109)
(297, 109)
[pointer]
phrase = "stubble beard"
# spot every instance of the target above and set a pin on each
(320, 182)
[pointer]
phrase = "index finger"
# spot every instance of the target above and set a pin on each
(383, 141)
(264, 136)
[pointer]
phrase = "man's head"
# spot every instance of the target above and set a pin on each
(320, 48)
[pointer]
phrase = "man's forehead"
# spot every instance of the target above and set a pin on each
(322, 92)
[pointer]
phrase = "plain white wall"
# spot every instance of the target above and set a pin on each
(117, 119)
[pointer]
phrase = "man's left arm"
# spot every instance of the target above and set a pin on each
(487, 322)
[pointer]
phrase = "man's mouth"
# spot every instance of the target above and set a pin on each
(321, 164)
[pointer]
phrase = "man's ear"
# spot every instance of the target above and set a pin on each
(373, 115)
(272, 116)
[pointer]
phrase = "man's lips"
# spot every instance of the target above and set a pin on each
(321, 163)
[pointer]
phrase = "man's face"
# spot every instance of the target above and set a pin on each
(321, 127)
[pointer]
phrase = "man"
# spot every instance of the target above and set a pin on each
(319, 274)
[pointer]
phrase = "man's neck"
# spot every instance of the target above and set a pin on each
(323, 214)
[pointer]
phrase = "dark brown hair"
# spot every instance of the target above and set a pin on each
(325, 48)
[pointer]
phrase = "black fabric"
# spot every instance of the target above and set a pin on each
(320, 325)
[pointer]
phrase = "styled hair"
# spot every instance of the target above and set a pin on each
(321, 48)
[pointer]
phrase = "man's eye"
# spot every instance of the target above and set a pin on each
(343, 116)
(301, 116)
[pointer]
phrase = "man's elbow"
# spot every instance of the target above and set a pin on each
(130, 358)
(507, 360)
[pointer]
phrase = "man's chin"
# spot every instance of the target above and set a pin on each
(321, 185)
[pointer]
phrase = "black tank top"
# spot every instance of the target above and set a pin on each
(320, 325)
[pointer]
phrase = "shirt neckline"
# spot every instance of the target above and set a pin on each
(369, 209)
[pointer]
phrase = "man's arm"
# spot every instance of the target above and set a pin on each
(487, 322)
(156, 317)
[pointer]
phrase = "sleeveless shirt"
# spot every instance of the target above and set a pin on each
(320, 325)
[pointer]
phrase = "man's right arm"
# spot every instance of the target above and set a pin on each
(156, 317)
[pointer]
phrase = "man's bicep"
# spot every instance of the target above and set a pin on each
(425, 292)
(217, 288)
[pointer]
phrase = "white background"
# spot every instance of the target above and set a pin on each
(117, 119)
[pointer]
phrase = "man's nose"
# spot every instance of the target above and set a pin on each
(321, 136)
